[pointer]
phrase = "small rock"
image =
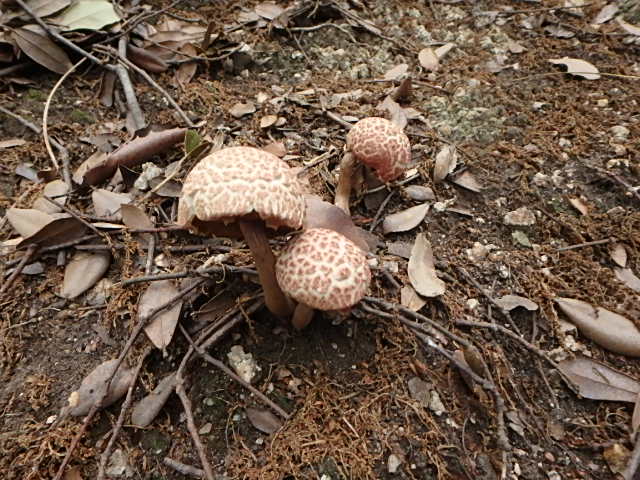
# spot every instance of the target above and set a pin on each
(521, 217)
(99, 294)
(603, 102)
(540, 179)
(435, 404)
(472, 303)
(118, 465)
(205, 429)
(393, 463)
(619, 132)
(477, 252)
(419, 193)
(243, 363)
(149, 172)
(420, 391)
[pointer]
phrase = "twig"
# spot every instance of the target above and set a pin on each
(383, 205)
(542, 9)
(181, 248)
(318, 160)
(54, 248)
(151, 247)
(78, 217)
(23, 262)
(217, 363)
(621, 181)
(394, 184)
(104, 458)
(337, 118)
(492, 300)
(132, 101)
(79, 434)
(183, 469)
(66, 174)
(34, 128)
(193, 273)
(585, 244)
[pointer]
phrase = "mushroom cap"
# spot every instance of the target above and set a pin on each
(324, 270)
(381, 145)
(241, 182)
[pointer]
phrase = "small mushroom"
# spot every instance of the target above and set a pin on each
(323, 270)
(240, 192)
(376, 143)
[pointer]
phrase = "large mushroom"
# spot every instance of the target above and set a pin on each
(321, 269)
(376, 143)
(240, 192)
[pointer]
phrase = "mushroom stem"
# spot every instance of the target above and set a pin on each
(302, 316)
(343, 189)
(256, 237)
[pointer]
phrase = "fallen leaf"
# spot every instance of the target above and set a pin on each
(12, 142)
(396, 72)
(25, 170)
(147, 409)
(263, 420)
(86, 15)
(515, 47)
(56, 190)
(107, 203)
(268, 10)
(402, 91)
(400, 249)
(559, 31)
(276, 148)
(94, 386)
(396, 112)
(521, 238)
(509, 302)
(241, 109)
(160, 330)
(410, 299)
(41, 49)
(579, 205)
(321, 214)
(63, 228)
(577, 67)
(597, 381)
(107, 85)
(421, 269)
(617, 457)
(146, 60)
(635, 418)
(442, 50)
(429, 59)
(268, 121)
(134, 218)
(626, 276)
(466, 180)
(608, 329)
(618, 254)
(631, 29)
(605, 14)
(419, 193)
(27, 221)
(406, 219)
(446, 161)
(83, 271)
(44, 8)
(72, 474)
(186, 71)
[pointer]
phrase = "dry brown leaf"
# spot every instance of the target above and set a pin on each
(618, 254)
(466, 180)
(605, 14)
(72, 474)
(410, 299)
(160, 330)
(442, 50)
(608, 329)
(12, 142)
(577, 67)
(429, 59)
(509, 302)
(146, 60)
(268, 121)
(107, 203)
(263, 420)
(241, 109)
(626, 276)
(579, 205)
(396, 112)
(94, 386)
(617, 457)
(515, 47)
(321, 214)
(147, 409)
(276, 148)
(134, 218)
(631, 29)
(446, 161)
(41, 49)
(419, 193)
(422, 271)
(27, 221)
(186, 71)
(55, 190)
(406, 219)
(44, 8)
(597, 381)
(268, 10)
(63, 228)
(83, 271)
(396, 72)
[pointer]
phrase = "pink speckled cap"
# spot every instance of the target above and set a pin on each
(381, 145)
(323, 270)
(241, 182)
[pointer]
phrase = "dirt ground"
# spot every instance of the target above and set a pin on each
(530, 134)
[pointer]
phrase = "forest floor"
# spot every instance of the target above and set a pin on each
(366, 397)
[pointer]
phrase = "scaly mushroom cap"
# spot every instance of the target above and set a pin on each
(241, 182)
(323, 270)
(381, 145)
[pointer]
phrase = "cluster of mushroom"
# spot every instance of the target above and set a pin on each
(245, 192)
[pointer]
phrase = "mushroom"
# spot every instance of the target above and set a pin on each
(321, 269)
(377, 143)
(240, 192)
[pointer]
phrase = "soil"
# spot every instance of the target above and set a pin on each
(530, 134)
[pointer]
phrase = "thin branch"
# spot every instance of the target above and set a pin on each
(585, 244)
(182, 468)
(193, 273)
(129, 93)
(23, 262)
(383, 205)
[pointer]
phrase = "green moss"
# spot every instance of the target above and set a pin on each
(78, 116)
(36, 95)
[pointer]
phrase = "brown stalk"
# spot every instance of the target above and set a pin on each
(302, 316)
(343, 189)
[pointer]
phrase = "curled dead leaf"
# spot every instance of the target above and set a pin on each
(94, 386)
(509, 302)
(446, 161)
(160, 330)
(321, 214)
(422, 271)
(263, 420)
(429, 59)
(147, 409)
(406, 219)
(577, 67)
(83, 271)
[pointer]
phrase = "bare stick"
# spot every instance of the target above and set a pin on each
(132, 101)
(217, 363)
(104, 458)
(194, 273)
(383, 205)
(66, 174)
(182, 468)
(585, 244)
(23, 262)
